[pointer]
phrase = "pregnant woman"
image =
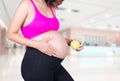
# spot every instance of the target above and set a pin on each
(45, 46)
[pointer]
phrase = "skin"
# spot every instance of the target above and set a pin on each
(23, 16)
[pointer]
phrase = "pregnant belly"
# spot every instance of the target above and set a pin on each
(58, 42)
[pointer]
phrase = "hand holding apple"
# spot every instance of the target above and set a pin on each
(76, 45)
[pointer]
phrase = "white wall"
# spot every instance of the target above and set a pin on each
(11, 6)
(7, 9)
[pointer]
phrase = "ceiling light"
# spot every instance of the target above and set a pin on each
(61, 19)
(68, 9)
(61, 8)
(74, 10)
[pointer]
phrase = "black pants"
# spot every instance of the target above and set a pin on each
(37, 66)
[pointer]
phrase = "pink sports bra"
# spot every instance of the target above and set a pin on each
(39, 24)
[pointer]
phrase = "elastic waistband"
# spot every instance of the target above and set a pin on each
(52, 59)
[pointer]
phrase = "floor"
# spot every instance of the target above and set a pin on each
(80, 67)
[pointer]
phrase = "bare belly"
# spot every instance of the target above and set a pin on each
(58, 42)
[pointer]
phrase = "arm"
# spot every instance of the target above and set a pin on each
(68, 41)
(69, 44)
(15, 25)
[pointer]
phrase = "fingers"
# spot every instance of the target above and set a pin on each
(80, 48)
(47, 39)
(51, 51)
(47, 48)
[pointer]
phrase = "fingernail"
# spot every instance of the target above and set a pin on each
(54, 55)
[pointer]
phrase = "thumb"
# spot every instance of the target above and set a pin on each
(47, 39)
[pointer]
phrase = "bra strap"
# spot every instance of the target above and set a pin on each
(34, 5)
(52, 11)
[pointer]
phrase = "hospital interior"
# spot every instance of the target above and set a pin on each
(96, 23)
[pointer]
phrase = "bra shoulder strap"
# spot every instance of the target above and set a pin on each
(34, 5)
(52, 11)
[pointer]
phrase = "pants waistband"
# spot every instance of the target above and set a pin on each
(45, 57)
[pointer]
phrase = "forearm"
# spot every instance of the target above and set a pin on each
(21, 40)
(68, 41)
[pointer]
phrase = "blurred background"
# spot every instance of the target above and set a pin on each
(96, 23)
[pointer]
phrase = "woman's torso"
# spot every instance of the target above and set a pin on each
(58, 41)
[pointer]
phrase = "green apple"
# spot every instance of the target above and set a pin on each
(75, 44)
